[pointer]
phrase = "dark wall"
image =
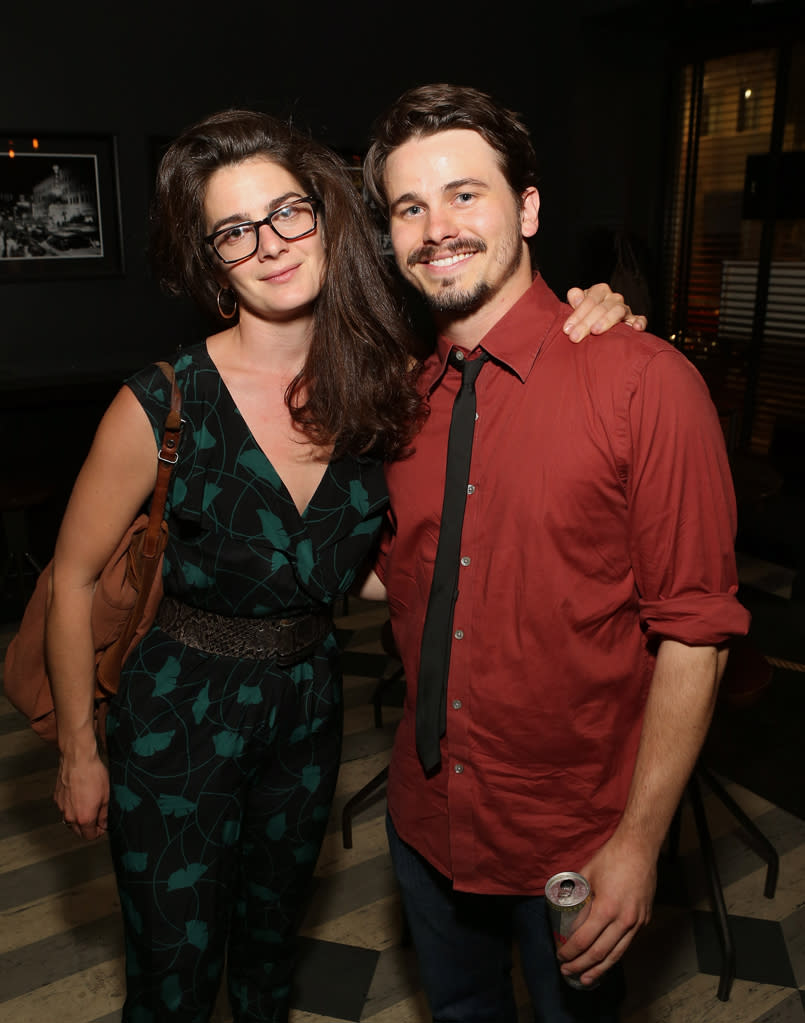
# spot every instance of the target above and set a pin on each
(142, 72)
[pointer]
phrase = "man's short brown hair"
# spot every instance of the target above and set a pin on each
(430, 109)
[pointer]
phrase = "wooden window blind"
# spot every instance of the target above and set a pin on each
(728, 229)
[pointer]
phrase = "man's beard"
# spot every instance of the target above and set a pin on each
(459, 303)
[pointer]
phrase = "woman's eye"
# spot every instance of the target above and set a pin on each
(234, 234)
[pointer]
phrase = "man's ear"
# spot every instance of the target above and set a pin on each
(529, 212)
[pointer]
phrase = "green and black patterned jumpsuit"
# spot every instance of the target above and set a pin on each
(223, 769)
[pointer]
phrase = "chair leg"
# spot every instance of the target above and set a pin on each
(761, 845)
(380, 689)
(716, 890)
(355, 801)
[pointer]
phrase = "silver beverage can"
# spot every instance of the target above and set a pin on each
(569, 897)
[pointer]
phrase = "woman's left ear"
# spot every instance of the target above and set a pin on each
(529, 212)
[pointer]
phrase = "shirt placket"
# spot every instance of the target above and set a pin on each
(461, 784)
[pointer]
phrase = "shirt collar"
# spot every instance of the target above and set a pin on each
(515, 340)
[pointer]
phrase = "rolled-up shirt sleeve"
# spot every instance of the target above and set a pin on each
(682, 514)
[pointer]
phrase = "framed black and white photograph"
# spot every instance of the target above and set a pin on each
(59, 207)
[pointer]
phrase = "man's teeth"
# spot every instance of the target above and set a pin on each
(449, 260)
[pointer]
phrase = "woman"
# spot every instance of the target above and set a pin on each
(222, 757)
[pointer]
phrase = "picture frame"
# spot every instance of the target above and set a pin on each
(354, 165)
(59, 207)
(353, 161)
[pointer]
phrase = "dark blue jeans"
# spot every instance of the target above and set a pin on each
(464, 942)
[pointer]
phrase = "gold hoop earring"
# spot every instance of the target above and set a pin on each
(233, 310)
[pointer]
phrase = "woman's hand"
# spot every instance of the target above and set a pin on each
(82, 791)
(596, 310)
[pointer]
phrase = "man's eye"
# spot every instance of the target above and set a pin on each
(411, 211)
(464, 197)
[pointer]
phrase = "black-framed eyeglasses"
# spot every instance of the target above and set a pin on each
(291, 222)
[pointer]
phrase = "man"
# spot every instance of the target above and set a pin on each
(595, 586)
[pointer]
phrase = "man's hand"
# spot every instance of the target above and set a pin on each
(596, 310)
(623, 877)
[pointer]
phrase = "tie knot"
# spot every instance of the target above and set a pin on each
(469, 368)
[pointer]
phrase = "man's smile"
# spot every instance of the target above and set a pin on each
(444, 255)
(448, 260)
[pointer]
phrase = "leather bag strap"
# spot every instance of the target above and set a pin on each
(168, 457)
(152, 545)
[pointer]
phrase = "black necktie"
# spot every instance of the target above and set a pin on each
(431, 700)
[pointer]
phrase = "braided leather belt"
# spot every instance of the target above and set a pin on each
(287, 640)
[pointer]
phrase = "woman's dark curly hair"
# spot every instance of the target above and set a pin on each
(355, 390)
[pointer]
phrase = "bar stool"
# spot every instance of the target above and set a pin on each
(20, 494)
(392, 674)
(747, 675)
(758, 842)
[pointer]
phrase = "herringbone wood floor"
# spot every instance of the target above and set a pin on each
(60, 947)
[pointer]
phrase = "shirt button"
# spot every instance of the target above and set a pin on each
(459, 768)
(459, 634)
(456, 704)
(459, 355)
(465, 561)
(470, 488)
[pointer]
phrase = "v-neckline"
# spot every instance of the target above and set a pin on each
(231, 398)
